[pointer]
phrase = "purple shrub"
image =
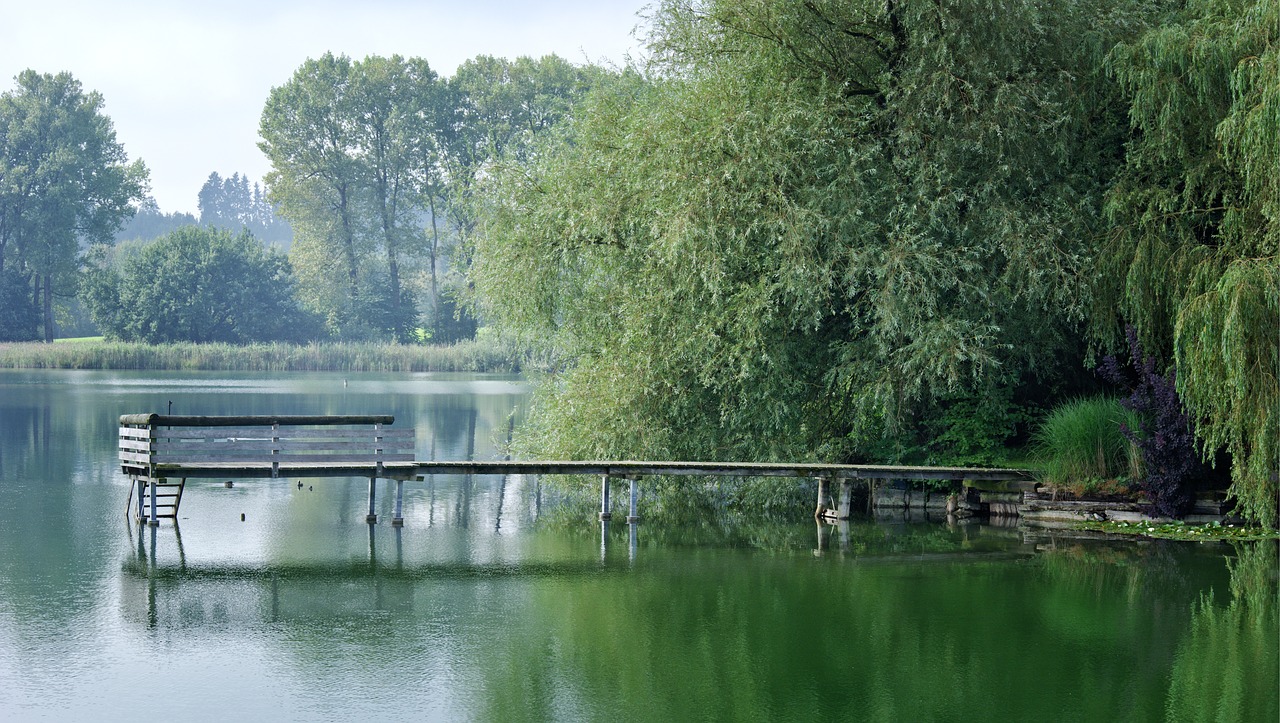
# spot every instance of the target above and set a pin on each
(1165, 436)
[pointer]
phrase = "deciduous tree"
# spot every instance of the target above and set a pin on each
(201, 285)
(63, 179)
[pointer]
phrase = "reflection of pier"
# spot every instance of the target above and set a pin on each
(155, 448)
(162, 589)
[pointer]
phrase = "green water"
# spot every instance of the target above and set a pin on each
(493, 604)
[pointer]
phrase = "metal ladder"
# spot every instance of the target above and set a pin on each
(168, 497)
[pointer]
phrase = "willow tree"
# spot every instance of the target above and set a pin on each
(1195, 249)
(807, 222)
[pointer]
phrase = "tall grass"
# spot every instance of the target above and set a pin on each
(464, 356)
(1080, 442)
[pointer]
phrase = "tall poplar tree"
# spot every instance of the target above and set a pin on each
(309, 128)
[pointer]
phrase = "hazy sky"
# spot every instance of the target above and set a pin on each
(185, 82)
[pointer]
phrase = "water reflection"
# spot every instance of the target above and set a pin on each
(1232, 643)
(496, 601)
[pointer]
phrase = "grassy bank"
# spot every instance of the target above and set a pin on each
(465, 356)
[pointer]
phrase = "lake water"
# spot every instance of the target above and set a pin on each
(493, 604)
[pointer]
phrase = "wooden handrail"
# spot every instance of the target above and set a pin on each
(170, 420)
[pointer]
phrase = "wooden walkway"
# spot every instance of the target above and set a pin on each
(155, 449)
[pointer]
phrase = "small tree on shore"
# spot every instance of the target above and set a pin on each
(201, 285)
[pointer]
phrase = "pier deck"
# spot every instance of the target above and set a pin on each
(155, 449)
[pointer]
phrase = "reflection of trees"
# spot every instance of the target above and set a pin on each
(1228, 667)
(705, 635)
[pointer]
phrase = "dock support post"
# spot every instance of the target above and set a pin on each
(846, 499)
(633, 517)
(605, 514)
(142, 512)
(824, 497)
(398, 519)
(371, 517)
(154, 521)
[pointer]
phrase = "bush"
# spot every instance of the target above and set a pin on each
(198, 285)
(1082, 442)
(1162, 432)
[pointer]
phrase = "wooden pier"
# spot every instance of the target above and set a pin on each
(156, 449)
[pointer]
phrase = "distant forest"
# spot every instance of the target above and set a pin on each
(228, 203)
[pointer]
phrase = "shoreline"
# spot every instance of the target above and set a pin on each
(463, 356)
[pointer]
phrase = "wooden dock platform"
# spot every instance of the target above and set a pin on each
(156, 449)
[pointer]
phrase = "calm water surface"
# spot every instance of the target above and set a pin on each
(491, 604)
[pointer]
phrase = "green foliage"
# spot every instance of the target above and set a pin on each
(975, 430)
(373, 163)
(19, 317)
(198, 285)
(1081, 441)
(150, 223)
(806, 223)
(63, 178)
(1230, 643)
(1193, 257)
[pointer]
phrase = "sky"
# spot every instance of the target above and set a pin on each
(184, 82)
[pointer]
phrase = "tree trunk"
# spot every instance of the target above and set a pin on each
(48, 308)
(435, 284)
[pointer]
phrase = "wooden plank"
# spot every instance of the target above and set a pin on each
(260, 444)
(392, 470)
(367, 432)
(170, 420)
(177, 460)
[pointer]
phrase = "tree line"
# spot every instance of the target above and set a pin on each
(371, 194)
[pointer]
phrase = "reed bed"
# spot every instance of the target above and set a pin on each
(463, 356)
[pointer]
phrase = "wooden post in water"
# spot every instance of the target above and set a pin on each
(605, 514)
(398, 519)
(371, 518)
(824, 497)
(633, 517)
(154, 521)
(846, 499)
(142, 512)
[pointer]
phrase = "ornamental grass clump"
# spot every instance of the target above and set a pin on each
(1081, 443)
